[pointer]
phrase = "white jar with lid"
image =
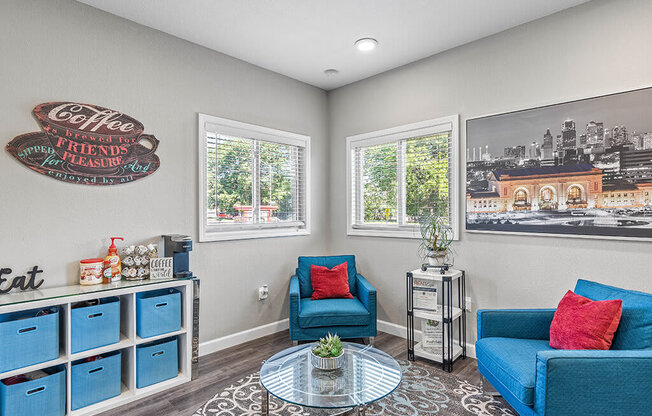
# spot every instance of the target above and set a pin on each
(90, 271)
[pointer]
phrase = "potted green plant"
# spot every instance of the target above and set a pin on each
(436, 238)
(328, 354)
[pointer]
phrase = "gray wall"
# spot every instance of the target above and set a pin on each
(597, 48)
(63, 50)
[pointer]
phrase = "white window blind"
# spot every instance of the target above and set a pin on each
(399, 175)
(254, 181)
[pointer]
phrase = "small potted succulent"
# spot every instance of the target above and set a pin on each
(328, 354)
(436, 238)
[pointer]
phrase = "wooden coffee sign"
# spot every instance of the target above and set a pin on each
(87, 144)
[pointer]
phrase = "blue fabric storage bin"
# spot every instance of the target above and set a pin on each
(45, 396)
(95, 381)
(27, 339)
(95, 326)
(155, 362)
(158, 312)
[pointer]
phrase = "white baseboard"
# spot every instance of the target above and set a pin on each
(401, 331)
(232, 340)
(219, 344)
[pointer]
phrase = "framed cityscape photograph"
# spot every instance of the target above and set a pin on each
(580, 168)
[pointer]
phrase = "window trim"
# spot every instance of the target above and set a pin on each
(208, 123)
(394, 134)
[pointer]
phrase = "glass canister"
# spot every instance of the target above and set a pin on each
(90, 271)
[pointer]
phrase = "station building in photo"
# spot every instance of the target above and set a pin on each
(561, 187)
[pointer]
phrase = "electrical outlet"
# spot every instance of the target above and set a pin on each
(263, 292)
(469, 304)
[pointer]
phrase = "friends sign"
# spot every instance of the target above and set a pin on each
(87, 144)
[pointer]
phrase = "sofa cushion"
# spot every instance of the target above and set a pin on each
(635, 329)
(513, 362)
(303, 271)
(332, 312)
(584, 324)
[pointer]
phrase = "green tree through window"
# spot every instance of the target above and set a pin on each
(426, 177)
(404, 180)
(379, 182)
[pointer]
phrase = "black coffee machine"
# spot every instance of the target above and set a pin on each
(178, 247)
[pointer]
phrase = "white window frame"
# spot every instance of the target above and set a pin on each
(211, 124)
(392, 135)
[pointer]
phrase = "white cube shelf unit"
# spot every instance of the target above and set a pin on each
(64, 297)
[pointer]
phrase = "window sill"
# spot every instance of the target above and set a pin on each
(388, 233)
(208, 236)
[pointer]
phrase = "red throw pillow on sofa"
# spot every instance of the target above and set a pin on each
(584, 324)
(330, 283)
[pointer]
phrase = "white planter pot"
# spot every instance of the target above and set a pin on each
(327, 363)
(437, 258)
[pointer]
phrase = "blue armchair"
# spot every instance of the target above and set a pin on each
(349, 318)
(536, 379)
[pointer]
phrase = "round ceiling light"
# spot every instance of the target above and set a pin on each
(366, 44)
(331, 72)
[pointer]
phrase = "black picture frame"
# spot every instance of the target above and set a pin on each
(580, 168)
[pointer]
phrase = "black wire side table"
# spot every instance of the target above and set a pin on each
(450, 286)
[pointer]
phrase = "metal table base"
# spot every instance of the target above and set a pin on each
(360, 410)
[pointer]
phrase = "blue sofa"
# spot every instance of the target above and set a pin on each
(348, 318)
(535, 379)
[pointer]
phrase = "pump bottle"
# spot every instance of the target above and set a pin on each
(112, 263)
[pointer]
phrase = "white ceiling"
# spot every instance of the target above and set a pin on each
(302, 38)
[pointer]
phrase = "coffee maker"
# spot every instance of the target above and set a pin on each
(178, 247)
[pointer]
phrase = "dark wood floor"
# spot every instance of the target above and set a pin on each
(223, 368)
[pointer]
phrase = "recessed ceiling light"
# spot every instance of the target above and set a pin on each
(331, 71)
(366, 44)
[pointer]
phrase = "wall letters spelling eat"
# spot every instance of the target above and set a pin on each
(20, 282)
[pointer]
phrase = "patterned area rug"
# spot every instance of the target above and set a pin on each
(425, 390)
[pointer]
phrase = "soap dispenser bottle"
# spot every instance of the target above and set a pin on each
(112, 263)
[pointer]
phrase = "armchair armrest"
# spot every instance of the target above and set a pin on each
(295, 293)
(515, 323)
(593, 382)
(294, 306)
(295, 296)
(366, 293)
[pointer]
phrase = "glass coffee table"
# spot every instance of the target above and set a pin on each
(367, 375)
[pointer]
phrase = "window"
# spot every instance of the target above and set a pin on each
(398, 175)
(520, 197)
(546, 195)
(575, 194)
(253, 181)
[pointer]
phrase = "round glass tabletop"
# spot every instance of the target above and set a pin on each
(367, 375)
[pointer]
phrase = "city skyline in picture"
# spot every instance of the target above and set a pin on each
(576, 168)
(632, 110)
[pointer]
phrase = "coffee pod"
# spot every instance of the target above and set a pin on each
(153, 250)
(129, 250)
(141, 250)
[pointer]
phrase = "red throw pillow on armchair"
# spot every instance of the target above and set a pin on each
(330, 283)
(584, 324)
